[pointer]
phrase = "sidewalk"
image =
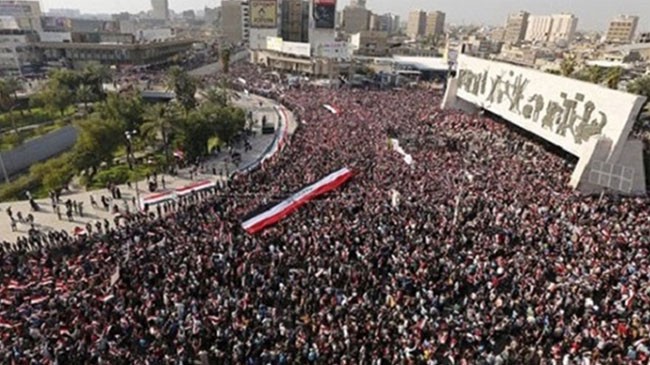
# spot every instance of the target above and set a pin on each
(46, 219)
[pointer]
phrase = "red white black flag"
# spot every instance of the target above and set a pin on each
(283, 209)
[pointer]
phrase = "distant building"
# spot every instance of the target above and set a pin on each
(516, 26)
(370, 43)
(564, 28)
(18, 54)
(211, 15)
(68, 13)
(519, 56)
(188, 15)
(80, 53)
(539, 28)
(480, 47)
(26, 13)
(557, 28)
(294, 24)
(644, 38)
(621, 29)
(385, 23)
(417, 24)
(160, 9)
(356, 19)
(435, 24)
(497, 34)
(358, 3)
(232, 21)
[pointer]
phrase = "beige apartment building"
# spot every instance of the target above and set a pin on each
(621, 29)
(232, 27)
(516, 26)
(356, 19)
(417, 24)
(435, 24)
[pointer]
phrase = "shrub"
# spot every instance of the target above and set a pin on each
(16, 189)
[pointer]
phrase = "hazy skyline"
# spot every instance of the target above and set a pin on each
(491, 12)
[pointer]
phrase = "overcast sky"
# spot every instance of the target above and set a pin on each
(592, 14)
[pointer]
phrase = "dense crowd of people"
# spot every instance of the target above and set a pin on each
(476, 253)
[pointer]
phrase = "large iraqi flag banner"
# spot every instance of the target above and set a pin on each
(287, 206)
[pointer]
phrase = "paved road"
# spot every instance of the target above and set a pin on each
(46, 219)
(216, 67)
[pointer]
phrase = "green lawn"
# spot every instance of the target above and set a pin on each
(32, 116)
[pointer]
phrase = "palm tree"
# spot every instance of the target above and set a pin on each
(595, 74)
(225, 60)
(84, 94)
(568, 66)
(613, 77)
(184, 86)
(160, 121)
(217, 96)
(95, 76)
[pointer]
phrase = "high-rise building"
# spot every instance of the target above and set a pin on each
(417, 24)
(358, 3)
(563, 28)
(385, 23)
(551, 28)
(356, 19)
(516, 26)
(435, 24)
(160, 9)
(539, 28)
(621, 29)
(232, 21)
(294, 24)
(26, 13)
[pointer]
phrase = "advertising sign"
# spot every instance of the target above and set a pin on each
(333, 50)
(563, 111)
(296, 49)
(274, 44)
(51, 23)
(324, 14)
(263, 13)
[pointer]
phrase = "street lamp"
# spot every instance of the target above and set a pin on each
(130, 158)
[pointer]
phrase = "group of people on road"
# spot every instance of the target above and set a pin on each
(473, 251)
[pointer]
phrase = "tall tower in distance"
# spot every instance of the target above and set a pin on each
(160, 9)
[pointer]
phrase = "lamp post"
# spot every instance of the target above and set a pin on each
(131, 159)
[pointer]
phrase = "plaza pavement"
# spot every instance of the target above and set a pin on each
(46, 219)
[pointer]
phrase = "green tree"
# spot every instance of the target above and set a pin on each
(55, 96)
(593, 74)
(226, 122)
(8, 97)
(641, 86)
(613, 77)
(568, 66)
(224, 56)
(196, 132)
(55, 173)
(64, 78)
(161, 121)
(95, 76)
(97, 142)
(218, 97)
(125, 108)
(84, 95)
(184, 86)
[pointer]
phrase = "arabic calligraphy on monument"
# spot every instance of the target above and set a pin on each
(573, 115)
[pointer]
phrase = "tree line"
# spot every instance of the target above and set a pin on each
(111, 122)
